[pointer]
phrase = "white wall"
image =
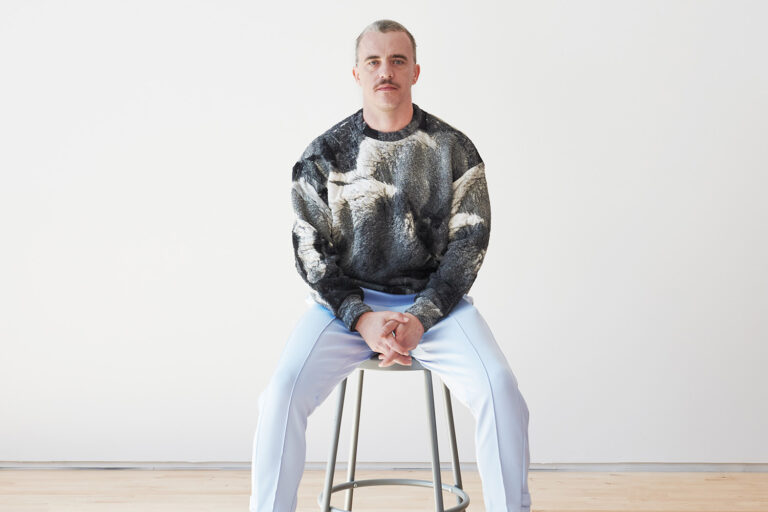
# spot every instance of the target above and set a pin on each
(146, 271)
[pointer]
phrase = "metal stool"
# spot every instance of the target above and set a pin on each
(324, 500)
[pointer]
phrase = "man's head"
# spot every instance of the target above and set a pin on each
(385, 26)
(385, 65)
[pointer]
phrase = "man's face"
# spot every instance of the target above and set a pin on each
(386, 70)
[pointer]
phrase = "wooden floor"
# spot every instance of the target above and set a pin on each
(83, 490)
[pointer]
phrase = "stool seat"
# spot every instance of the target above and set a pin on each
(373, 364)
(324, 500)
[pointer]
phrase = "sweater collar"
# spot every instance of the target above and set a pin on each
(417, 121)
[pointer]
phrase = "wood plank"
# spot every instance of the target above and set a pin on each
(225, 490)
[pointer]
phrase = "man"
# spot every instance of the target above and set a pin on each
(392, 223)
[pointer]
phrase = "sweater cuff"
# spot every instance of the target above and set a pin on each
(426, 311)
(351, 310)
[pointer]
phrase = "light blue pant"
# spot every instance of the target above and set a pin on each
(460, 349)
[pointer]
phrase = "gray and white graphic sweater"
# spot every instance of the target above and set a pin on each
(399, 212)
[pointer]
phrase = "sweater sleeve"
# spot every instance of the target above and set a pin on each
(315, 255)
(469, 229)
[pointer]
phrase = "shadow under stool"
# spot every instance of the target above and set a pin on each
(324, 500)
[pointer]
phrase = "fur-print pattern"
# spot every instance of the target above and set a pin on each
(398, 212)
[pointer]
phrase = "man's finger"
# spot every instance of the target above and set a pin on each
(390, 325)
(394, 345)
(391, 341)
(386, 358)
(400, 317)
(403, 360)
(391, 358)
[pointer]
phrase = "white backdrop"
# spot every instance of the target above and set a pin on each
(147, 282)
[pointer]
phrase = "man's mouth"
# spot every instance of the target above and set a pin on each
(386, 88)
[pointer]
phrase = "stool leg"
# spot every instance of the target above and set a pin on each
(353, 445)
(330, 470)
(437, 481)
(452, 435)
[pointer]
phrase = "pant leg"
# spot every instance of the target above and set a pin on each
(462, 351)
(320, 352)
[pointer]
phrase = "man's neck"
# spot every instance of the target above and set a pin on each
(388, 121)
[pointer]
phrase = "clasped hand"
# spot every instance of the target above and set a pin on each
(393, 335)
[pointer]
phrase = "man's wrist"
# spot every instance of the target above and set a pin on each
(415, 318)
(422, 314)
(357, 321)
(351, 310)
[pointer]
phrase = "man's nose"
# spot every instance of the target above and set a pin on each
(385, 71)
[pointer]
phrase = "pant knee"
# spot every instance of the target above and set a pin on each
(281, 388)
(504, 388)
(295, 390)
(501, 380)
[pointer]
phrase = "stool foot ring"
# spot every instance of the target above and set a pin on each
(463, 504)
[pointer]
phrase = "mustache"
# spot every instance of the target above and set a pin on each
(385, 82)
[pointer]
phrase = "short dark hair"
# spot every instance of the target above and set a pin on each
(385, 26)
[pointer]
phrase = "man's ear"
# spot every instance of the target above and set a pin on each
(417, 70)
(356, 74)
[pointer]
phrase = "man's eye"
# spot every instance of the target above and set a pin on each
(399, 61)
(372, 62)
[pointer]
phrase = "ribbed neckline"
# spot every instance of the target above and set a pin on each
(417, 121)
